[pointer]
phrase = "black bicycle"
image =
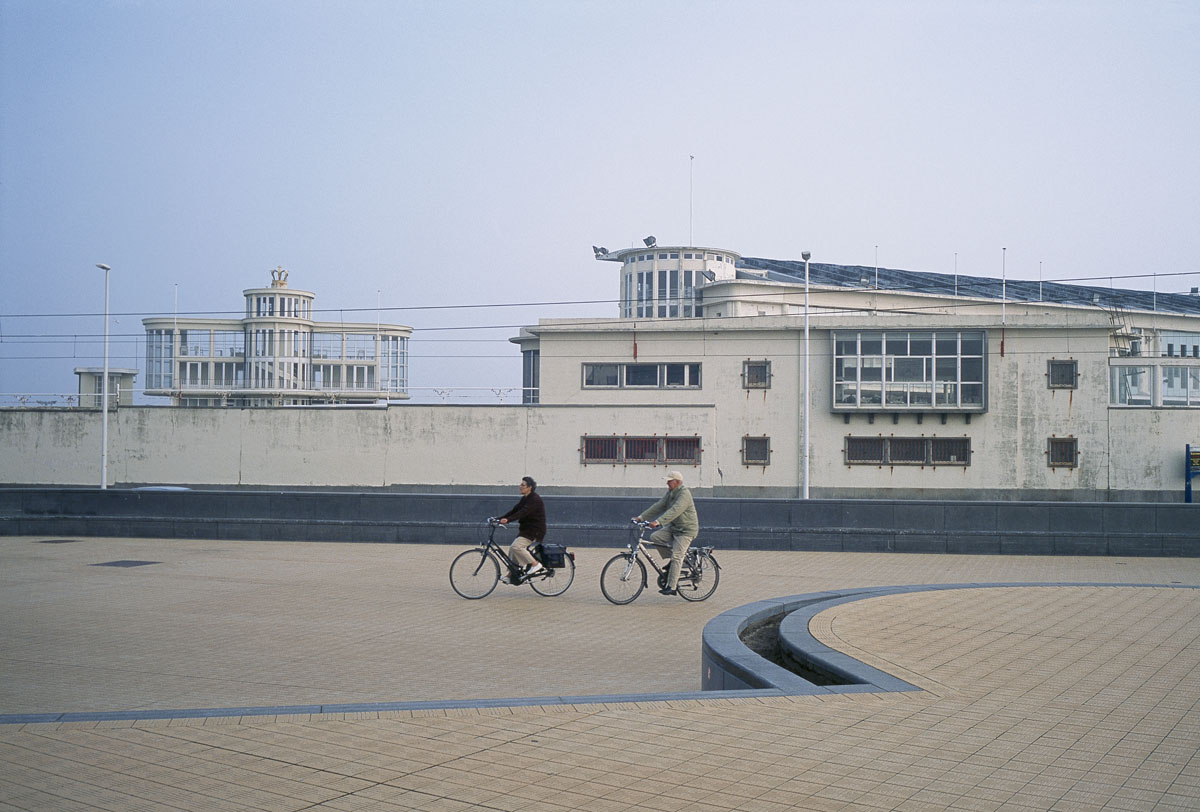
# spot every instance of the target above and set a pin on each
(624, 576)
(475, 573)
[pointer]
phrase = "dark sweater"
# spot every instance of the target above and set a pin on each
(531, 513)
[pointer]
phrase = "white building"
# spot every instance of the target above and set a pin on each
(276, 355)
(921, 385)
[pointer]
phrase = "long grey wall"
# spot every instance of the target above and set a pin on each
(1031, 528)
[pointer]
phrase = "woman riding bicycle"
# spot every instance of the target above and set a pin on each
(531, 514)
(676, 512)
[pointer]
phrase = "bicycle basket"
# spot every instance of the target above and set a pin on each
(553, 556)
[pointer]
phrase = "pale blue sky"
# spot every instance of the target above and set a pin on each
(461, 153)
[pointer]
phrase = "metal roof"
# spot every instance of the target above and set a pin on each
(1014, 290)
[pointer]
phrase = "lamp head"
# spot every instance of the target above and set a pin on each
(103, 267)
(806, 256)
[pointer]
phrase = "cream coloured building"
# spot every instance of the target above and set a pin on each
(921, 385)
(275, 355)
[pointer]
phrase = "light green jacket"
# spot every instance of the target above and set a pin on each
(677, 511)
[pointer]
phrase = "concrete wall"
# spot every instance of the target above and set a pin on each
(1026, 528)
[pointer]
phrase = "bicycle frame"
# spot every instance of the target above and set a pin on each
(642, 543)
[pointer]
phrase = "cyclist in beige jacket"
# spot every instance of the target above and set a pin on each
(675, 513)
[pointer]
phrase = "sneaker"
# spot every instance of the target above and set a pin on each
(504, 579)
(668, 591)
(534, 569)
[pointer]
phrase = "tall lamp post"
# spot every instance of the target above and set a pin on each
(804, 493)
(104, 389)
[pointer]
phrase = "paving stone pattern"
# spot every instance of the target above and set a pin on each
(1033, 698)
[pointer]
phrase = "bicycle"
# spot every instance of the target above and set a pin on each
(624, 576)
(475, 573)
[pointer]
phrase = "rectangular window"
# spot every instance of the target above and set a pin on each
(756, 451)
(1062, 374)
(641, 376)
(601, 375)
(756, 374)
(1062, 452)
(932, 451)
(626, 450)
(531, 376)
(1180, 386)
(909, 371)
(1130, 386)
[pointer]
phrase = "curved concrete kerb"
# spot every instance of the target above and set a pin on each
(727, 663)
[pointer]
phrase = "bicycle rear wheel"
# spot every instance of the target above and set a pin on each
(554, 581)
(475, 573)
(623, 578)
(702, 580)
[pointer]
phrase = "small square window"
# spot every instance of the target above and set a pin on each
(1062, 374)
(756, 451)
(1062, 452)
(756, 374)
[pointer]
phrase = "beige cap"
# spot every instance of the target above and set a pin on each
(674, 475)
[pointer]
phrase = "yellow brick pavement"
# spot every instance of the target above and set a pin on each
(1033, 698)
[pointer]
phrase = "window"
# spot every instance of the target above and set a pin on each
(756, 374)
(909, 371)
(641, 376)
(756, 451)
(626, 450)
(1062, 374)
(327, 345)
(229, 343)
(1180, 386)
(1062, 452)
(1129, 386)
(160, 360)
(921, 451)
(531, 376)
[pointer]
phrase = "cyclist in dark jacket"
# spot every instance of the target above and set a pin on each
(531, 514)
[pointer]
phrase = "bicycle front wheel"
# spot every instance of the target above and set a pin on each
(475, 573)
(554, 581)
(623, 578)
(702, 580)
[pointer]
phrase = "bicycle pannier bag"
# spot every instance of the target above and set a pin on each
(554, 556)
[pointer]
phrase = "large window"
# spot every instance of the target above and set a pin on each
(641, 376)
(195, 343)
(327, 345)
(393, 364)
(1180, 386)
(626, 450)
(921, 451)
(229, 343)
(909, 371)
(1130, 386)
(160, 359)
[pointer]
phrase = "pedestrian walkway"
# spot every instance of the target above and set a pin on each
(1032, 697)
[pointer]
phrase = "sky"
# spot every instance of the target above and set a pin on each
(450, 164)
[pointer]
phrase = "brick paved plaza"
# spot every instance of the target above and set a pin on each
(1032, 698)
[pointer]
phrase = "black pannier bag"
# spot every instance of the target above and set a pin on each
(553, 556)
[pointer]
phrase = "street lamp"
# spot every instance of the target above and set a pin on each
(104, 389)
(804, 493)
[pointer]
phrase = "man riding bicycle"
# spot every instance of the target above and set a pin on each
(676, 513)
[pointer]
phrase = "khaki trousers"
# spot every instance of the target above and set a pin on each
(519, 551)
(679, 544)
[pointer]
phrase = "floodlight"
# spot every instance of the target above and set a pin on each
(650, 241)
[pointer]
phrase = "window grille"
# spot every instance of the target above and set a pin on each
(908, 451)
(1062, 374)
(756, 374)
(865, 450)
(1062, 452)
(950, 450)
(640, 450)
(756, 451)
(601, 449)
